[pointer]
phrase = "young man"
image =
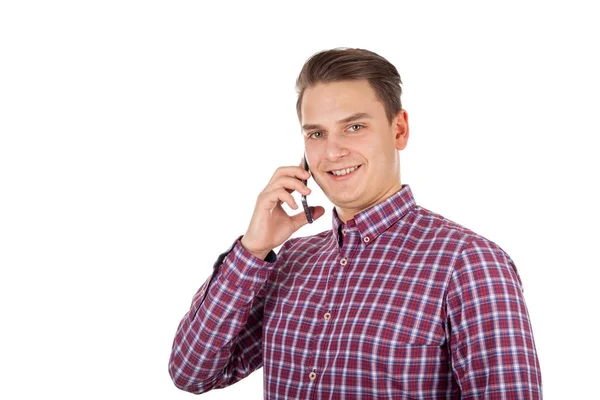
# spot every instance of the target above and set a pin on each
(394, 302)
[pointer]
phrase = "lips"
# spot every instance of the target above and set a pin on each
(344, 177)
(343, 169)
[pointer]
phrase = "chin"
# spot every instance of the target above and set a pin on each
(345, 199)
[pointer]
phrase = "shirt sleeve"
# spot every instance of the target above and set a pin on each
(492, 348)
(219, 340)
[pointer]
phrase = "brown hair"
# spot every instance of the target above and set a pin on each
(342, 64)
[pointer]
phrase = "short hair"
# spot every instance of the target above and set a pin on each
(342, 64)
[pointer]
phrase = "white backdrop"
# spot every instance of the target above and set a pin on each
(136, 135)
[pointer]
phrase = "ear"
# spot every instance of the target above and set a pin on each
(401, 131)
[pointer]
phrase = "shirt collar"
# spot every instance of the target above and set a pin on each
(375, 220)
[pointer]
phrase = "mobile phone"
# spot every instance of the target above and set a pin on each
(304, 203)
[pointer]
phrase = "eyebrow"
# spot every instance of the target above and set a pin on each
(353, 117)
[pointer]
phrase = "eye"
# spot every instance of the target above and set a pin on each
(311, 134)
(361, 126)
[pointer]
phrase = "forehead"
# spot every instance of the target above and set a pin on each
(336, 100)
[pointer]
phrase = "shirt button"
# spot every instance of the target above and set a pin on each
(344, 232)
(327, 316)
(343, 261)
(366, 239)
(312, 376)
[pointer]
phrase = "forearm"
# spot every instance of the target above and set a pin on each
(225, 317)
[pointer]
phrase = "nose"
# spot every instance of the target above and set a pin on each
(336, 147)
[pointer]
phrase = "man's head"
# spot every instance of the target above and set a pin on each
(333, 86)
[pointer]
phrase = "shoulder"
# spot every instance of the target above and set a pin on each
(477, 266)
(297, 247)
(436, 225)
(469, 250)
(311, 243)
(433, 233)
(483, 262)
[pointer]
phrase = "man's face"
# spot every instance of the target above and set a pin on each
(368, 141)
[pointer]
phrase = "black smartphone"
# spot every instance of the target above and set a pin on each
(304, 203)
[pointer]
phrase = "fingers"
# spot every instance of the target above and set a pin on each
(279, 196)
(285, 181)
(294, 172)
(291, 184)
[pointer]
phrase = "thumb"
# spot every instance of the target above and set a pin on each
(317, 212)
(300, 220)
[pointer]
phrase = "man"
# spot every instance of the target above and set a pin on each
(394, 302)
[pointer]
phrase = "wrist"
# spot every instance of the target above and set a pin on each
(256, 253)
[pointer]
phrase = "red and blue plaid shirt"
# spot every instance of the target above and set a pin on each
(398, 303)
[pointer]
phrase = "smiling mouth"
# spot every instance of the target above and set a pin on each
(344, 172)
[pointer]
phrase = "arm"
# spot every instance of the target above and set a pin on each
(219, 340)
(491, 340)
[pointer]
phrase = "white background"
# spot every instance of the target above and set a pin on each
(136, 135)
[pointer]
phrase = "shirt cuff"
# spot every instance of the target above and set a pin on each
(245, 269)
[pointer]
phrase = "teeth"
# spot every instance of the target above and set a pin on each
(343, 171)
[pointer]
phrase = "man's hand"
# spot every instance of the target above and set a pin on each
(270, 225)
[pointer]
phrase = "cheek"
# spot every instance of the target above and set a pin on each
(373, 152)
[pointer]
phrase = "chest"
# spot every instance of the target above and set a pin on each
(360, 298)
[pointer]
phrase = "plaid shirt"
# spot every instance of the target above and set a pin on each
(399, 303)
